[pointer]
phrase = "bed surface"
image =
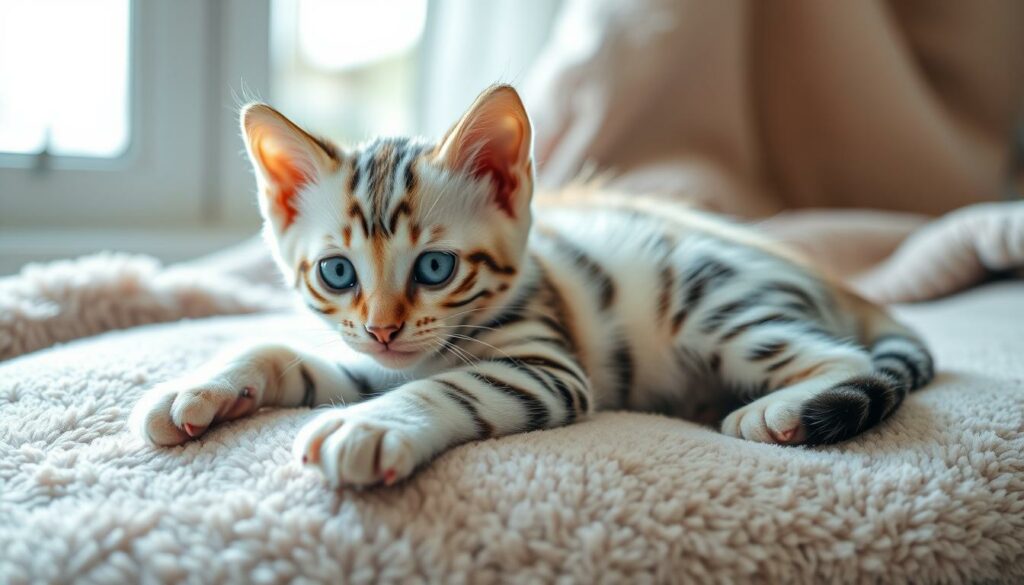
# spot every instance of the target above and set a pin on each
(935, 494)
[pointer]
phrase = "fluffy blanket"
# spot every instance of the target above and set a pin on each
(934, 495)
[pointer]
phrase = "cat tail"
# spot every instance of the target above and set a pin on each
(903, 357)
(901, 362)
(897, 352)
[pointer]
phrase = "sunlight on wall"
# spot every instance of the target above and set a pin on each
(64, 77)
(342, 34)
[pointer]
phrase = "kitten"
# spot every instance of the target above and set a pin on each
(472, 323)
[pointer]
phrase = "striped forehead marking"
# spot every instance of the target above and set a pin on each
(383, 180)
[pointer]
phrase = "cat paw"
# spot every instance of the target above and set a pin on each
(774, 418)
(176, 412)
(354, 448)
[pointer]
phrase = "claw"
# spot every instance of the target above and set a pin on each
(246, 392)
(390, 476)
(192, 430)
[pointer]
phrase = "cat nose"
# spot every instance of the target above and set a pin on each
(384, 333)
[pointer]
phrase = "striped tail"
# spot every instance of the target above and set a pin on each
(901, 363)
(904, 358)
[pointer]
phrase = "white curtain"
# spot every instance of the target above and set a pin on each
(469, 44)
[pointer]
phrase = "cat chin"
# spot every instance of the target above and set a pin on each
(397, 360)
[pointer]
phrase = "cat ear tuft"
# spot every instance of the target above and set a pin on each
(285, 157)
(494, 140)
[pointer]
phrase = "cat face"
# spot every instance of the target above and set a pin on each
(398, 242)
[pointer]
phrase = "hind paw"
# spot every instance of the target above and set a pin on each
(774, 418)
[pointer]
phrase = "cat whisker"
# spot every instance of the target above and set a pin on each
(462, 354)
(466, 326)
(467, 311)
(484, 343)
(298, 360)
(458, 352)
(511, 306)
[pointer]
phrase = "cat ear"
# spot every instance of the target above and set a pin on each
(286, 159)
(494, 140)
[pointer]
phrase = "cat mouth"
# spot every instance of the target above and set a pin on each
(394, 351)
(394, 356)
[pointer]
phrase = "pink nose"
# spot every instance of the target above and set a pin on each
(384, 333)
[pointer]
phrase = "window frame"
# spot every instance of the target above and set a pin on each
(182, 167)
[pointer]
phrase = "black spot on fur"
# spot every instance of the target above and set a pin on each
(767, 351)
(781, 363)
(910, 355)
(402, 208)
(558, 387)
(622, 362)
(410, 173)
(594, 271)
(327, 146)
(805, 302)
(703, 277)
(723, 313)
(899, 367)
(715, 362)
(770, 319)
(546, 362)
(536, 412)
(308, 387)
(357, 172)
(666, 280)
(466, 400)
(360, 383)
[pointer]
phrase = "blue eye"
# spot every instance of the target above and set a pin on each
(434, 268)
(337, 273)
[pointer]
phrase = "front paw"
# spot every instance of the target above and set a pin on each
(176, 412)
(358, 447)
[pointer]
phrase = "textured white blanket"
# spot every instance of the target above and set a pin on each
(934, 495)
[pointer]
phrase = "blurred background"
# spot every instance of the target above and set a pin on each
(118, 125)
(118, 118)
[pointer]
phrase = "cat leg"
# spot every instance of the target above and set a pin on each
(384, 439)
(236, 383)
(805, 385)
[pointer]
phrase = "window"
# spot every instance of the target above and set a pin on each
(120, 113)
(118, 125)
(65, 80)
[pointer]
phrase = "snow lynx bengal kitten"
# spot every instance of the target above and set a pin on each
(474, 321)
